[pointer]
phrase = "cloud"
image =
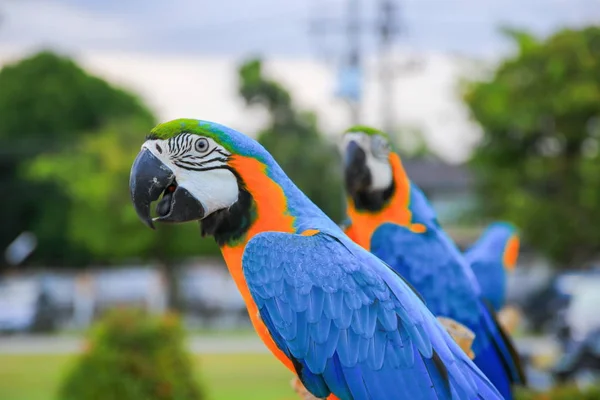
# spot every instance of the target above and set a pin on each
(177, 26)
(206, 88)
(275, 27)
(181, 55)
(52, 23)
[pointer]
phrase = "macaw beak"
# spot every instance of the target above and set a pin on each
(148, 180)
(356, 171)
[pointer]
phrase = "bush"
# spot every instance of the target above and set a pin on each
(569, 392)
(133, 356)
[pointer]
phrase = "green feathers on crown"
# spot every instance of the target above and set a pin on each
(173, 128)
(368, 131)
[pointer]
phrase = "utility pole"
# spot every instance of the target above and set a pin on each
(350, 74)
(388, 28)
(354, 55)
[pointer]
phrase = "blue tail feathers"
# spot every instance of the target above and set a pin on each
(499, 361)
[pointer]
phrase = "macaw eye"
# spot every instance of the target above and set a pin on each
(380, 147)
(201, 145)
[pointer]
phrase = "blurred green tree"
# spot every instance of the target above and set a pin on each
(538, 163)
(134, 356)
(46, 103)
(94, 175)
(294, 140)
(409, 141)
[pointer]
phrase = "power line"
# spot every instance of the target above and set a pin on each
(353, 31)
(387, 28)
(351, 59)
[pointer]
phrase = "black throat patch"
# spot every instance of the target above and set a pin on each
(373, 201)
(231, 224)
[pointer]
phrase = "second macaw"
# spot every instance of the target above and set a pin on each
(392, 218)
(492, 257)
(333, 313)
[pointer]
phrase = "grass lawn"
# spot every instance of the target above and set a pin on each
(225, 377)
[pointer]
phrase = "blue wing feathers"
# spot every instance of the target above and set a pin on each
(350, 325)
(438, 271)
(335, 377)
(486, 258)
(504, 346)
(490, 363)
(388, 319)
(315, 305)
(439, 375)
(298, 301)
(330, 346)
(347, 348)
(320, 330)
(313, 380)
(333, 303)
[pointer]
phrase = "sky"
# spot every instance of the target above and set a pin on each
(274, 27)
(181, 55)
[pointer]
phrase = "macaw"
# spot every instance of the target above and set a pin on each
(390, 216)
(492, 257)
(333, 313)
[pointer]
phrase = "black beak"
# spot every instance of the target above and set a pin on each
(356, 172)
(148, 180)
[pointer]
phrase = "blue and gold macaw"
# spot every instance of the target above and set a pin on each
(333, 313)
(492, 257)
(391, 217)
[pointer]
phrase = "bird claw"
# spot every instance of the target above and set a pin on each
(462, 335)
(301, 390)
(509, 318)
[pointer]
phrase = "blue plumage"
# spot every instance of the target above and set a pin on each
(348, 323)
(351, 325)
(434, 266)
(486, 260)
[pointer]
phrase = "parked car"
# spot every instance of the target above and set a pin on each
(210, 296)
(582, 315)
(543, 306)
(133, 286)
(580, 360)
(36, 303)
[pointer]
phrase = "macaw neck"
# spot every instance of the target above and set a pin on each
(395, 209)
(373, 200)
(274, 204)
(271, 203)
(229, 225)
(497, 246)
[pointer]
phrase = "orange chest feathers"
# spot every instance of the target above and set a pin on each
(270, 215)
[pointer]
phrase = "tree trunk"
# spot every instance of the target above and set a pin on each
(169, 272)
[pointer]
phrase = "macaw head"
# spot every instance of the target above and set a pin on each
(185, 162)
(374, 174)
(502, 239)
(367, 167)
(198, 170)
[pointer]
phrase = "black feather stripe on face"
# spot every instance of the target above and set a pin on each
(231, 224)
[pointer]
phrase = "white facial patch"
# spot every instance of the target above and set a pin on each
(197, 163)
(381, 173)
(376, 158)
(216, 189)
